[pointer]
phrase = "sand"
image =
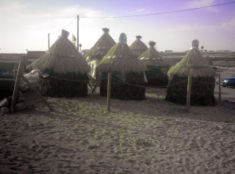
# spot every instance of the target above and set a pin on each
(149, 136)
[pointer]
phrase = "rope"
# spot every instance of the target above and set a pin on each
(118, 80)
(69, 80)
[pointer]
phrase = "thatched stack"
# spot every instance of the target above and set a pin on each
(156, 67)
(6, 88)
(203, 79)
(138, 47)
(127, 72)
(6, 72)
(65, 68)
(98, 51)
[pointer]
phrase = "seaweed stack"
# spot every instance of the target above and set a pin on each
(156, 67)
(98, 51)
(7, 73)
(63, 70)
(203, 79)
(127, 72)
(138, 47)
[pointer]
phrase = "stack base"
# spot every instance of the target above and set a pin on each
(62, 88)
(6, 88)
(156, 78)
(202, 91)
(128, 90)
(157, 82)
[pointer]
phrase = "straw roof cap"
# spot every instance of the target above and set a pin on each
(192, 60)
(105, 30)
(138, 37)
(101, 47)
(62, 57)
(152, 57)
(120, 59)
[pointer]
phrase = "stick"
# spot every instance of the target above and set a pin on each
(108, 91)
(189, 86)
(94, 88)
(219, 89)
(16, 85)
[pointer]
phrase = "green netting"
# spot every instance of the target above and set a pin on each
(110, 53)
(178, 67)
(154, 72)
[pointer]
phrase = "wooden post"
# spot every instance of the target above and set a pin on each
(189, 86)
(78, 33)
(219, 88)
(48, 40)
(108, 91)
(16, 85)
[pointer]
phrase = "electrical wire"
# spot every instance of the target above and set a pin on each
(162, 13)
(150, 14)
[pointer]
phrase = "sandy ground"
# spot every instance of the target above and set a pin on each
(149, 136)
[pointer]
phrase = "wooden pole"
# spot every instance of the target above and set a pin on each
(219, 88)
(189, 86)
(16, 85)
(78, 33)
(108, 91)
(48, 38)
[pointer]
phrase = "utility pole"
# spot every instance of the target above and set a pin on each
(48, 38)
(78, 33)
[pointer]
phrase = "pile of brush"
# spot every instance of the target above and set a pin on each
(21, 104)
(26, 97)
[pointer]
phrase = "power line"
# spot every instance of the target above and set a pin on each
(150, 14)
(68, 24)
(164, 12)
(71, 22)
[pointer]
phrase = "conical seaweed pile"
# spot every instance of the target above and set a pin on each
(203, 79)
(64, 71)
(98, 51)
(156, 67)
(101, 47)
(127, 72)
(138, 47)
(6, 72)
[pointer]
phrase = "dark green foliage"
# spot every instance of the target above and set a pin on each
(202, 90)
(64, 85)
(156, 77)
(132, 88)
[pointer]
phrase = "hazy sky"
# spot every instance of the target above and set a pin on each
(25, 24)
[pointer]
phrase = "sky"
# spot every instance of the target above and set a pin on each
(25, 24)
